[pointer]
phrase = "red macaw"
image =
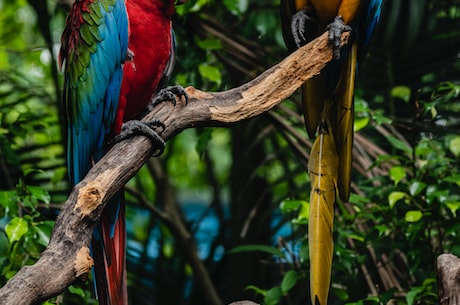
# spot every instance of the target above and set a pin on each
(117, 54)
(328, 110)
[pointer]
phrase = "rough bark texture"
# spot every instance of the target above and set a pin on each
(67, 258)
(448, 271)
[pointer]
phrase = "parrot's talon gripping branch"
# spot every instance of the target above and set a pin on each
(178, 91)
(168, 94)
(136, 127)
(336, 28)
(302, 24)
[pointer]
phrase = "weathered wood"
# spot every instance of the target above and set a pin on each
(448, 273)
(66, 258)
(245, 302)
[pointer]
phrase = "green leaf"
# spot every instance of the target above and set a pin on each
(77, 291)
(289, 281)
(395, 197)
(210, 44)
(198, 5)
(452, 179)
(273, 296)
(304, 211)
(43, 231)
(416, 187)
(304, 253)
(290, 205)
(436, 193)
(401, 92)
(397, 173)
(354, 236)
(168, 249)
(413, 216)
(16, 228)
(40, 193)
(265, 22)
(380, 118)
(433, 111)
(256, 289)
(453, 206)
(304, 214)
(255, 247)
(8, 200)
(3, 59)
(210, 73)
(398, 144)
(410, 297)
(341, 293)
(360, 123)
(236, 7)
(454, 146)
(361, 105)
(3, 244)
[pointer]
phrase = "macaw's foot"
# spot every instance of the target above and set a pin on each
(135, 128)
(168, 94)
(336, 28)
(303, 26)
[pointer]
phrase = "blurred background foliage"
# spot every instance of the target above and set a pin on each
(241, 192)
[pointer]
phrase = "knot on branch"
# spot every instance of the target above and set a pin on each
(83, 263)
(89, 198)
(93, 193)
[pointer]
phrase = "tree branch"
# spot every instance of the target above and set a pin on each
(66, 258)
(448, 273)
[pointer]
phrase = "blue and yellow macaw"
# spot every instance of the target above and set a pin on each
(117, 55)
(328, 110)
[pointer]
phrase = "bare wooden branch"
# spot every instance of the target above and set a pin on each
(66, 258)
(448, 273)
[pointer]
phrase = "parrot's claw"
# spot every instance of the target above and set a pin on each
(336, 28)
(302, 24)
(136, 127)
(170, 94)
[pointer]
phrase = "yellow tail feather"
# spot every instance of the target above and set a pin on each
(343, 131)
(322, 167)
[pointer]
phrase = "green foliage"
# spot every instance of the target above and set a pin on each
(26, 233)
(409, 214)
(262, 248)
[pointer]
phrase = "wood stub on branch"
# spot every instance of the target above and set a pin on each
(448, 274)
(66, 258)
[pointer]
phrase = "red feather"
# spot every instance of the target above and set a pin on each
(150, 48)
(150, 44)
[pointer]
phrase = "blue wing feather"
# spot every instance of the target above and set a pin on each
(93, 75)
(373, 9)
(94, 47)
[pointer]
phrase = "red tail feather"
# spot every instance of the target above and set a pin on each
(110, 261)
